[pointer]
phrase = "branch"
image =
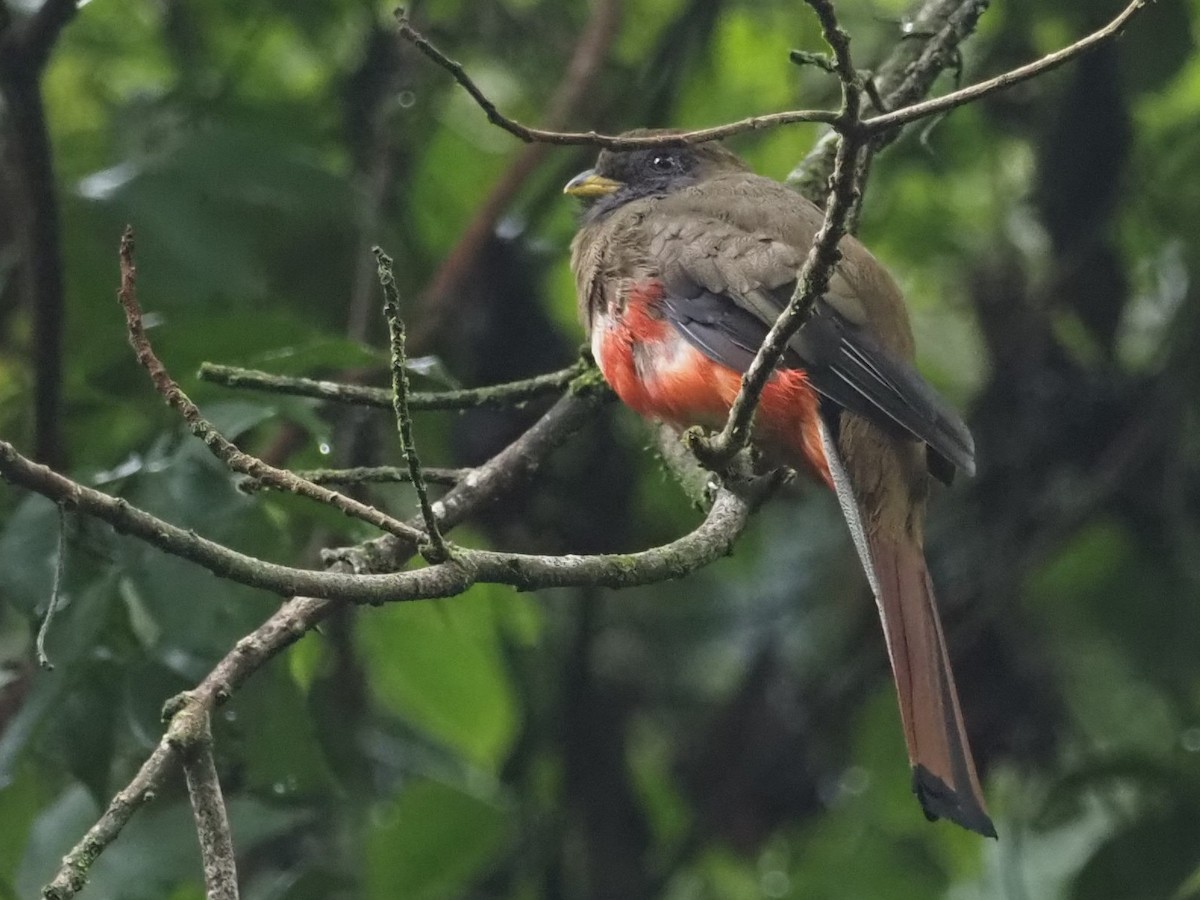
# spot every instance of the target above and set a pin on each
(60, 565)
(220, 446)
(813, 279)
(435, 550)
(371, 475)
(445, 579)
(442, 297)
(873, 126)
(592, 138)
(218, 559)
(507, 471)
(509, 394)
(72, 875)
(938, 29)
(713, 538)
(887, 121)
(208, 807)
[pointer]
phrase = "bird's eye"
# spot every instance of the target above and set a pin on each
(662, 162)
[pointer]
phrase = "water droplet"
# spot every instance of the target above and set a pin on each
(1190, 740)
(775, 883)
(324, 448)
(405, 99)
(855, 781)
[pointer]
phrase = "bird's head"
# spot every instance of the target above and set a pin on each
(624, 175)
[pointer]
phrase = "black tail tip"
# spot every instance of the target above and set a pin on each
(939, 801)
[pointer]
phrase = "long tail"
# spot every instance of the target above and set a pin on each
(944, 778)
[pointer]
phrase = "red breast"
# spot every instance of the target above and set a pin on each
(659, 374)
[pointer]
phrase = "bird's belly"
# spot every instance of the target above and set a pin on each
(660, 375)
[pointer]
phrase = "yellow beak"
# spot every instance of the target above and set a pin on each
(588, 185)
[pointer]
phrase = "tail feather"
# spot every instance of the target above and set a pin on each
(944, 778)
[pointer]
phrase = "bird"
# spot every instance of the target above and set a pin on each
(683, 259)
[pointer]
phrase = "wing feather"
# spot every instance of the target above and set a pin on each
(842, 361)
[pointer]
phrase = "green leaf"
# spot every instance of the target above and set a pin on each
(1150, 859)
(21, 800)
(440, 666)
(157, 851)
(273, 737)
(430, 842)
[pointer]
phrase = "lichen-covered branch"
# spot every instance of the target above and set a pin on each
(220, 446)
(208, 809)
(512, 393)
(509, 470)
(934, 61)
(814, 275)
(444, 579)
(372, 475)
(434, 549)
(712, 539)
(72, 875)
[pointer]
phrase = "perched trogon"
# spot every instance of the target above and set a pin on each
(683, 259)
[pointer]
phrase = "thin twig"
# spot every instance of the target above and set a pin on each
(874, 126)
(512, 393)
(509, 470)
(707, 542)
(60, 565)
(208, 809)
(896, 118)
(592, 138)
(72, 875)
(434, 550)
(934, 34)
(439, 303)
(813, 278)
(218, 444)
(372, 475)
(822, 61)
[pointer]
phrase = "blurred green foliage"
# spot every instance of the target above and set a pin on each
(732, 736)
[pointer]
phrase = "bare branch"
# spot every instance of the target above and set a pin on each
(442, 297)
(937, 30)
(814, 275)
(220, 446)
(713, 538)
(592, 138)
(372, 475)
(435, 549)
(896, 118)
(72, 876)
(875, 125)
(208, 808)
(466, 567)
(509, 394)
(60, 565)
(218, 559)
